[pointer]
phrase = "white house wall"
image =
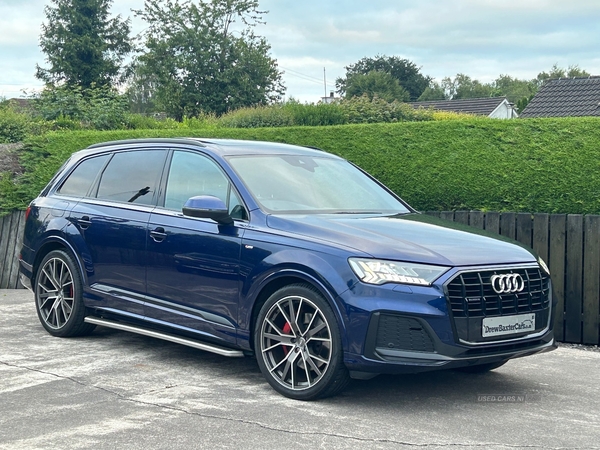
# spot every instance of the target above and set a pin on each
(503, 111)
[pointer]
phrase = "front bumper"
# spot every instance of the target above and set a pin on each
(378, 359)
(414, 329)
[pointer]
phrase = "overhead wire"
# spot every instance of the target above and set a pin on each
(306, 77)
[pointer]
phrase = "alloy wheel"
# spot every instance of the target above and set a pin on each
(296, 342)
(55, 293)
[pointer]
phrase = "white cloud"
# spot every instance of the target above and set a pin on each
(481, 38)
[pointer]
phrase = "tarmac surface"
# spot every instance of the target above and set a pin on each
(114, 390)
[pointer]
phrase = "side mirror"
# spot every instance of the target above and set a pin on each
(207, 207)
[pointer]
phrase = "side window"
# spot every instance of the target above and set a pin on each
(132, 176)
(190, 175)
(81, 179)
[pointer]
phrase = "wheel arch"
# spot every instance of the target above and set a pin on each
(276, 281)
(55, 243)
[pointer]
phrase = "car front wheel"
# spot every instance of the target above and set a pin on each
(298, 345)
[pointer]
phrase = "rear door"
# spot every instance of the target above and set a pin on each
(113, 220)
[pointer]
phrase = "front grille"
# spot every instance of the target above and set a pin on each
(471, 294)
(402, 333)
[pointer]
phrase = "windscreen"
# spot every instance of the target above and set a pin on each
(308, 184)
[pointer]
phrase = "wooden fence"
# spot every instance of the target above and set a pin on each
(570, 244)
(11, 239)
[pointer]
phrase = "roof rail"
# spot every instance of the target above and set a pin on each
(148, 141)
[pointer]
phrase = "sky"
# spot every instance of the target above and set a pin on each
(313, 40)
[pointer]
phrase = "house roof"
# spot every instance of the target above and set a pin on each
(480, 106)
(566, 97)
(22, 104)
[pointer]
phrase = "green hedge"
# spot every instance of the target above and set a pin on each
(533, 165)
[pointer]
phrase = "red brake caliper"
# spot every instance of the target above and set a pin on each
(287, 330)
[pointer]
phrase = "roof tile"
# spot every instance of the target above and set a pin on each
(480, 106)
(566, 97)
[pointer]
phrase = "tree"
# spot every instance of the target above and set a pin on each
(205, 58)
(522, 103)
(432, 92)
(559, 72)
(376, 84)
(83, 46)
(141, 89)
(513, 89)
(463, 86)
(404, 71)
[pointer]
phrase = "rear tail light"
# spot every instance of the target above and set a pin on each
(27, 211)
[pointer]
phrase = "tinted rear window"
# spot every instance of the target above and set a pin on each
(132, 177)
(80, 181)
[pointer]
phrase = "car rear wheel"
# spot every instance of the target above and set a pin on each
(298, 344)
(59, 296)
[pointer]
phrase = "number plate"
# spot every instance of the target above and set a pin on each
(499, 326)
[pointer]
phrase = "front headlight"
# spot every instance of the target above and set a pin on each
(375, 271)
(543, 266)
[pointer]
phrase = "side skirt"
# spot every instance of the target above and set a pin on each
(167, 337)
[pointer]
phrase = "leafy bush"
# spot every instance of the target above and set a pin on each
(143, 122)
(377, 110)
(320, 114)
(101, 108)
(13, 125)
(258, 117)
(352, 110)
(198, 123)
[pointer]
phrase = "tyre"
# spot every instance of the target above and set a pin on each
(59, 296)
(298, 345)
(481, 368)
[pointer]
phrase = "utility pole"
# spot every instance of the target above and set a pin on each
(324, 82)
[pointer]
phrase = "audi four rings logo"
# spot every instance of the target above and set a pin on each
(507, 284)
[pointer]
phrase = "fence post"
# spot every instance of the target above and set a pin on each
(573, 287)
(524, 229)
(541, 231)
(556, 261)
(11, 232)
(477, 219)
(492, 222)
(5, 261)
(507, 225)
(591, 280)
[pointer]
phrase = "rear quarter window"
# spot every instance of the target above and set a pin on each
(80, 181)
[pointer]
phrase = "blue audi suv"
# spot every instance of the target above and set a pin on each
(288, 254)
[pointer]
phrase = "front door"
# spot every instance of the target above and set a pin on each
(193, 264)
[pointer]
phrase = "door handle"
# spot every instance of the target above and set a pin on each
(158, 234)
(84, 222)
